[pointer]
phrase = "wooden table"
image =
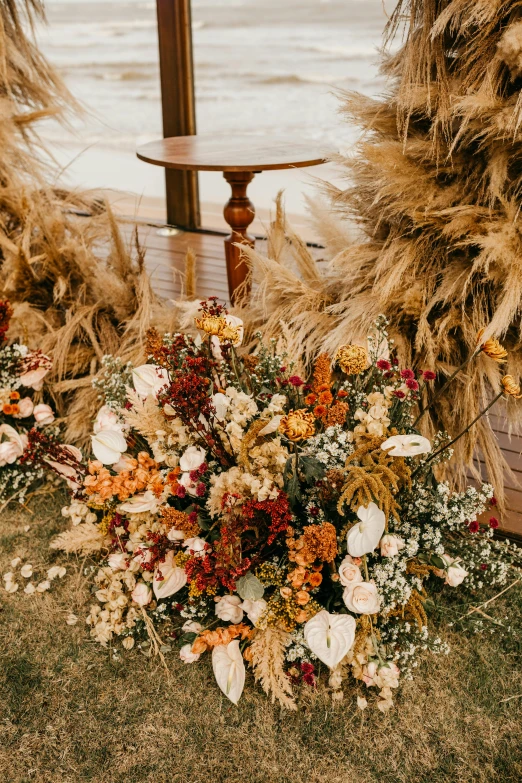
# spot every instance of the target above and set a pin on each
(239, 158)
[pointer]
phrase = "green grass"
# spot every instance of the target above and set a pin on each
(70, 713)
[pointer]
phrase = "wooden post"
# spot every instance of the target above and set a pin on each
(178, 105)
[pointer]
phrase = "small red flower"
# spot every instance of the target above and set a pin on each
(399, 394)
(407, 374)
(382, 364)
(493, 502)
(181, 491)
(412, 384)
(295, 380)
(483, 566)
(493, 522)
(429, 375)
(473, 526)
(200, 490)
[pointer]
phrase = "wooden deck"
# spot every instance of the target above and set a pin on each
(165, 261)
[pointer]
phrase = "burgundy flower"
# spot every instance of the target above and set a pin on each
(407, 374)
(483, 566)
(202, 468)
(200, 490)
(473, 526)
(181, 491)
(194, 475)
(412, 384)
(429, 375)
(295, 380)
(399, 394)
(493, 502)
(382, 364)
(493, 522)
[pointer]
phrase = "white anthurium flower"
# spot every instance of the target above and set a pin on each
(107, 419)
(146, 501)
(330, 636)
(364, 536)
(221, 404)
(149, 379)
(406, 445)
(186, 655)
(229, 669)
(191, 459)
(108, 446)
(168, 577)
(272, 426)
(12, 448)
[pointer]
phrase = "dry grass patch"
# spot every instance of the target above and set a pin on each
(71, 713)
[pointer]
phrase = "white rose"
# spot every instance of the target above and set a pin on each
(25, 408)
(186, 654)
(107, 419)
(195, 545)
(378, 412)
(43, 414)
(142, 594)
(228, 608)
(375, 428)
(391, 545)
(254, 609)
(362, 598)
(13, 447)
(191, 459)
(175, 535)
(191, 626)
(220, 402)
(146, 501)
(455, 574)
(349, 573)
(118, 561)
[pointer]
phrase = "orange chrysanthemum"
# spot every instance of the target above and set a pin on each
(320, 411)
(311, 398)
(325, 398)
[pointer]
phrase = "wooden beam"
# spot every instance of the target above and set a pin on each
(178, 104)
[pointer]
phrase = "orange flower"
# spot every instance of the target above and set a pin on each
(310, 398)
(297, 425)
(492, 348)
(315, 579)
(323, 387)
(286, 592)
(352, 359)
(325, 397)
(15, 408)
(320, 411)
(301, 617)
(342, 393)
(302, 598)
(15, 395)
(8, 410)
(511, 387)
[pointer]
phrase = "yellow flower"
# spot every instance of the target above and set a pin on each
(492, 348)
(511, 388)
(211, 324)
(352, 359)
(298, 425)
(230, 334)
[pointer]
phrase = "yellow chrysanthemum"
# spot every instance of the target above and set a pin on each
(352, 359)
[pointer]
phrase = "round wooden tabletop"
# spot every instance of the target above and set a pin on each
(231, 153)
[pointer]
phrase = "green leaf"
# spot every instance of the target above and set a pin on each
(249, 587)
(313, 470)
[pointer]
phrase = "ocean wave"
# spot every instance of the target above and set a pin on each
(294, 78)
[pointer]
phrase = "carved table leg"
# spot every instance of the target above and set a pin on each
(239, 213)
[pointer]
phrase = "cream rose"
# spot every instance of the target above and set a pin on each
(349, 573)
(254, 609)
(391, 545)
(228, 608)
(362, 598)
(142, 594)
(43, 414)
(25, 408)
(186, 654)
(455, 574)
(191, 459)
(118, 561)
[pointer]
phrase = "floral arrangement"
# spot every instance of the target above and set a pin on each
(22, 374)
(289, 525)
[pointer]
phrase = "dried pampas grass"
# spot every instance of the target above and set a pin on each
(268, 657)
(77, 290)
(85, 539)
(432, 205)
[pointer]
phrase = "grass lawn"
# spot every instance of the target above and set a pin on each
(71, 713)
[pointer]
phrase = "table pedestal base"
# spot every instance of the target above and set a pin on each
(239, 213)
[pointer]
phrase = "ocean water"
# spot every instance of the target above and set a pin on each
(261, 66)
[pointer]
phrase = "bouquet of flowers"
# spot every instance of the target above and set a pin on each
(284, 524)
(22, 374)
